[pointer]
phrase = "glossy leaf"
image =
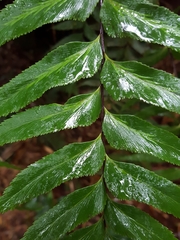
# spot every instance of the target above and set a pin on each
(141, 20)
(64, 65)
(132, 222)
(51, 118)
(135, 80)
(128, 181)
(95, 232)
(72, 161)
(24, 16)
(134, 134)
(72, 210)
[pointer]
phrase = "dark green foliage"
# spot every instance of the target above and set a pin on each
(134, 80)
(53, 70)
(136, 20)
(132, 223)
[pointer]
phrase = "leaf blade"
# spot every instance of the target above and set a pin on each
(51, 118)
(130, 221)
(22, 17)
(95, 231)
(85, 203)
(171, 174)
(129, 181)
(136, 135)
(72, 161)
(142, 21)
(66, 64)
(8, 165)
(136, 80)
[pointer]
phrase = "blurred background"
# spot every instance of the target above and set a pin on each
(19, 54)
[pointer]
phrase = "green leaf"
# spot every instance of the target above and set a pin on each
(95, 232)
(24, 16)
(153, 56)
(129, 181)
(64, 65)
(112, 236)
(70, 38)
(8, 165)
(138, 157)
(136, 135)
(135, 80)
(72, 161)
(90, 31)
(51, 118)
(149, 111)
(172, 174)
(68, 25)
(130, 221)
(141, 20)
(72, 210)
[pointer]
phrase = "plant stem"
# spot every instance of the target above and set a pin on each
(102, 63)
(102, 98)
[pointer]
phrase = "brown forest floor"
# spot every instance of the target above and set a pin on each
(13, 224)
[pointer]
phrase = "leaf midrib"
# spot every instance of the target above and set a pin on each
(33, 10)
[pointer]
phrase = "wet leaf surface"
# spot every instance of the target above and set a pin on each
(124, 220)
(72, 210)
(72, 161)
(134, 134)
(129, 181)
(66, 64)
(135, 80)
(24, 16)
(141, 20)
(51, 118)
